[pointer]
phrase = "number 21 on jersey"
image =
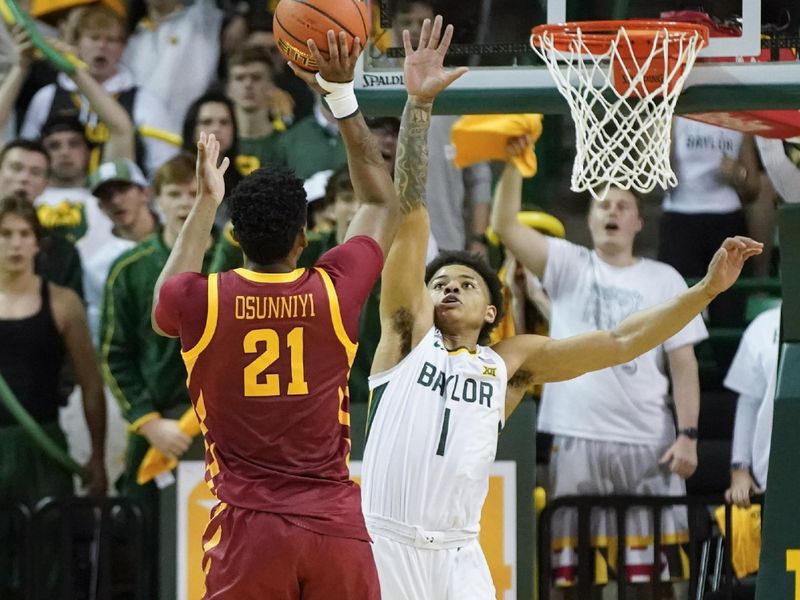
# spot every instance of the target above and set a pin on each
(266, 343)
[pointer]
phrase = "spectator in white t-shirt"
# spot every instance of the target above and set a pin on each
(174, 52)
(614, 428)
(718, 174)
(753, 375)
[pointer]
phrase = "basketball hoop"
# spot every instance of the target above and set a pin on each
(621, 80)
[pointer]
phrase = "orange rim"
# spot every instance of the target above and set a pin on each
(598, 36)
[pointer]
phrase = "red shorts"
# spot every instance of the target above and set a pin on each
(261, 556)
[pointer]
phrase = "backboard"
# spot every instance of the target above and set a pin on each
(492, 38)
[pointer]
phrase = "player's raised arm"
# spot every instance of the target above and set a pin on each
(379, 212)
(190, 247)
(538, 359)
(525, 243)
(406, 308)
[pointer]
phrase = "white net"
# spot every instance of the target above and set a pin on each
(622, 104)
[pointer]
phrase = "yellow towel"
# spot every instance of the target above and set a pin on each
(156, 462)
(42, 8)
(746, 541)
(484, 137)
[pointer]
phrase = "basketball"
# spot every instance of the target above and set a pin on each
(297, 21)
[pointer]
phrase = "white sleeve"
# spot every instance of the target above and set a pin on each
(37, 113)
(782, 172)
(745, 375)
(744, 429)
(565, 263)
(149, 110)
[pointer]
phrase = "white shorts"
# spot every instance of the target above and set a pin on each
(410, 573)
(582, 467)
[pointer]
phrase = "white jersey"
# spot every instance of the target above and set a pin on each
(176, 59)
(754, 372)
(432, 434)
(697, 150)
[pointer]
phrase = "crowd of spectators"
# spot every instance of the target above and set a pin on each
(105, 155)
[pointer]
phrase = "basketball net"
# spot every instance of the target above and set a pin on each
(621, 87)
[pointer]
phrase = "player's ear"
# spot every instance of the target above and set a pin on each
(491, 313)
(302, 237)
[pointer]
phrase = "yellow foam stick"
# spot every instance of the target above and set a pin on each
(14, 15)
(541, 221)
(156, 462)
(159, 134)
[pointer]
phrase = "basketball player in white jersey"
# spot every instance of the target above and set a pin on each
(439, 398)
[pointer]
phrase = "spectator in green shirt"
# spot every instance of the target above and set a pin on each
(312, 144)
(259, 105)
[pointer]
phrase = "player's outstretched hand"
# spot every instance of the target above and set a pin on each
(423, 69)
(727, 263)
(339, 67)
(210, 175)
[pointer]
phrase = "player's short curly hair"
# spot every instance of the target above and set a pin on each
(268, 210)
(482, 268)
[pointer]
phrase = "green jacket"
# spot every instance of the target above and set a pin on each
(308, 148)
(369, 324)
(144, 370)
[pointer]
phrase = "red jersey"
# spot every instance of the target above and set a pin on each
(268, 356)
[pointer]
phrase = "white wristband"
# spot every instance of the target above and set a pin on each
(341, 97)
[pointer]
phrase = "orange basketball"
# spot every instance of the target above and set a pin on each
(297, 21)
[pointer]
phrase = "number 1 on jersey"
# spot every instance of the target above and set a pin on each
(443, 435)
(269, 384)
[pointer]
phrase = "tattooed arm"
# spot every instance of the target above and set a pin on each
(379, 213)
(406, 306)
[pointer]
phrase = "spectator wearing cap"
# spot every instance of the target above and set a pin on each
(121, 192)
(260, 107)
(122, 196)
(23, 172)
(98, 35)
(144, 370)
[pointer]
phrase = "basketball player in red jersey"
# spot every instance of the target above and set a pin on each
(268, 349)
